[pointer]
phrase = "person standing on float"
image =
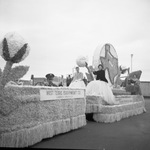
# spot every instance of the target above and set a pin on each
(77, 79)
(100, 86)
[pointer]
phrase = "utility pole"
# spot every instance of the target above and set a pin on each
(131, 61)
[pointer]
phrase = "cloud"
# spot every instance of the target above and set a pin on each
(58, 31)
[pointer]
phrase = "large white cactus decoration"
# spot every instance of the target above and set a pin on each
(13, 49)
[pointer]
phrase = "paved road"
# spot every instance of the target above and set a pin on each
(128, 134)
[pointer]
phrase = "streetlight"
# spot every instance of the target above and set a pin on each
(131, 61)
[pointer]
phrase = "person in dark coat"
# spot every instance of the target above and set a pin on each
(68, 80)
(50, 78)
(100, 74)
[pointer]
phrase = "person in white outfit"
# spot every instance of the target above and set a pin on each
(77, 81)
(100, 86)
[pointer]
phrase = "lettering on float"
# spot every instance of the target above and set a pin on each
(53, 94)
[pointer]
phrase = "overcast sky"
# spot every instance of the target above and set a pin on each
(58, 31)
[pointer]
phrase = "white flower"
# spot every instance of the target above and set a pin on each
(15, 43)
(80, 61)
(123, 67)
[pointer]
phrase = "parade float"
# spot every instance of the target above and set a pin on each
(29, 114)
(129, 104)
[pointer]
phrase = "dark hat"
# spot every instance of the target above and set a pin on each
(100, 65)
(50, 76)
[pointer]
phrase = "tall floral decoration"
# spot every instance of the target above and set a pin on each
(13, 49)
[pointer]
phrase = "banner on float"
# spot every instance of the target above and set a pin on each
(53, 94)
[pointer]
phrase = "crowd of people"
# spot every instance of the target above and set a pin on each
(78, 80)
(50, 80)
